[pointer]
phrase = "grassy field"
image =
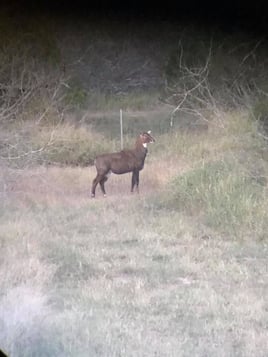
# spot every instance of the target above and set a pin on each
(178, 270)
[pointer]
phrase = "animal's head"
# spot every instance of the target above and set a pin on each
(146, 138)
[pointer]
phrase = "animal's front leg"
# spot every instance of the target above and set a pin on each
(133, 180)
(137, 180)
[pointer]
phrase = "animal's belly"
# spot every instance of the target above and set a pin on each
(121, 170)
(120, 167)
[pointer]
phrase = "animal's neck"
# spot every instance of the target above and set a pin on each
(141, 149)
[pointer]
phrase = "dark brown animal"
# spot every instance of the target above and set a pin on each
(122, 162)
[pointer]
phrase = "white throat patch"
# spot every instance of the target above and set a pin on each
(144, 144)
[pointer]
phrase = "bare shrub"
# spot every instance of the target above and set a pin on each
(218, 76)
(31, 88)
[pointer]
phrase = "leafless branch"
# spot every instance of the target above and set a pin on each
(194, 86)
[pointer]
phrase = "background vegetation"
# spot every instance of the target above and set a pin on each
(180, 269)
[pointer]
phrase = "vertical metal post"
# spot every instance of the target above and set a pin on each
(121, 129)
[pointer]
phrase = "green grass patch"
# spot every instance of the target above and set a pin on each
(133, 123)
(138, 100)
(225, 196)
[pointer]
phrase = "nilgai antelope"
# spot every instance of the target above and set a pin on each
(122, 162)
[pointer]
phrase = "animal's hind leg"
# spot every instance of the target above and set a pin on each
(102, 182)
(96, 180)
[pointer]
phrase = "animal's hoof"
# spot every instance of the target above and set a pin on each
(104, 195)
(92, 195)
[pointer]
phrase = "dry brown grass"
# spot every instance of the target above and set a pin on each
(63, 185)
(115, 276)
